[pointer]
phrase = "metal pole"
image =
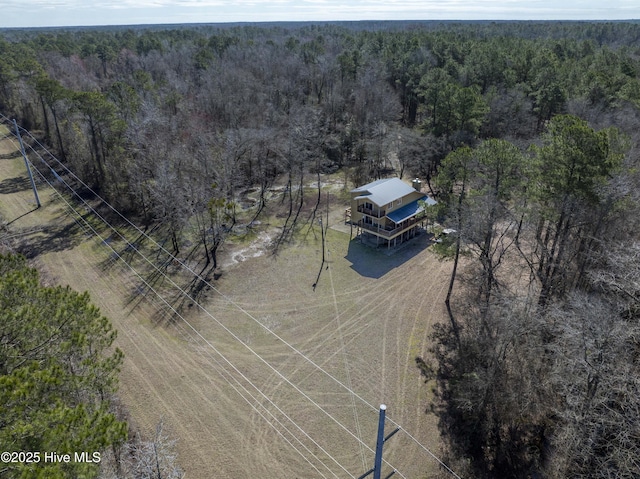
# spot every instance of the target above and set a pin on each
(26, 163)
(377, 465)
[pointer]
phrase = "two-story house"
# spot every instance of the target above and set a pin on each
(388, 209)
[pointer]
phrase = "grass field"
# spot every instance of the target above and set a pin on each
(256, 383)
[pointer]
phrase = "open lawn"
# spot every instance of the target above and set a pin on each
(257, 383)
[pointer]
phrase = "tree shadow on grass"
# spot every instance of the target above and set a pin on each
(14, 185)
(129, 251)
(11, 155)
(192, 292)
(53, 238)
(162, 280)
(149, 285)
(375, 262)
(196, 290)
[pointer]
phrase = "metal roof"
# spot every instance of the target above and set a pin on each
(411, 209)
(382, 192)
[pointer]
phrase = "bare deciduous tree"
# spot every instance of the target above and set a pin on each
(596, 376)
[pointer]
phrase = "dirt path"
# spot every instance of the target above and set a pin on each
(241, 401)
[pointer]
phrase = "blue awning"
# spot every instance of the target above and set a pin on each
(411, 209)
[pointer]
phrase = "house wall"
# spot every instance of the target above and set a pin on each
(357, 216)
(387, 232)
(414, 195)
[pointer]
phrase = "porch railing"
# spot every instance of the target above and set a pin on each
(388, 233)
(371, 212)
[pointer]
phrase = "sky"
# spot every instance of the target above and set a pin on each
(42, 13)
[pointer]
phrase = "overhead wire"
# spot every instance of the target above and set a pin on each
(231, 301)
(239, 307)
(210, 345)
(102, 219)
(204, 310)
(182, 291)
(71, 208)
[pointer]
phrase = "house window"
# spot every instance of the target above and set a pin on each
(399, 201)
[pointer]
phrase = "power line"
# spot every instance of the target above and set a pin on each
(217, 351)
(186, 294)
(240, 308)
(232, 302)
(209, 344)
(26, 164)
(102, 219)
(199, 277)
(173, 258)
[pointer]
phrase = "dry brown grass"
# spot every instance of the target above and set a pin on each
(219, 393)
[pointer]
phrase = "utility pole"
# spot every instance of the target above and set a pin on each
(26, 163)
(377, 463)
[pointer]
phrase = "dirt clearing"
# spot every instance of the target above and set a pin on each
(273, 378)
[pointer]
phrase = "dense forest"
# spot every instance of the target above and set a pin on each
(526, 133)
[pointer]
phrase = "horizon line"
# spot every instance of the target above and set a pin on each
(270, 22)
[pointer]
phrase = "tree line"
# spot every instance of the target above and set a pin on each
(536, 372)
(164, 121)
(526, 132)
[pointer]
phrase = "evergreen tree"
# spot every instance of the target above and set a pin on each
(57, 372)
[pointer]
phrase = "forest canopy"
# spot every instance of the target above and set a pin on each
(130, 109)
(526, 132)
(58, 372)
